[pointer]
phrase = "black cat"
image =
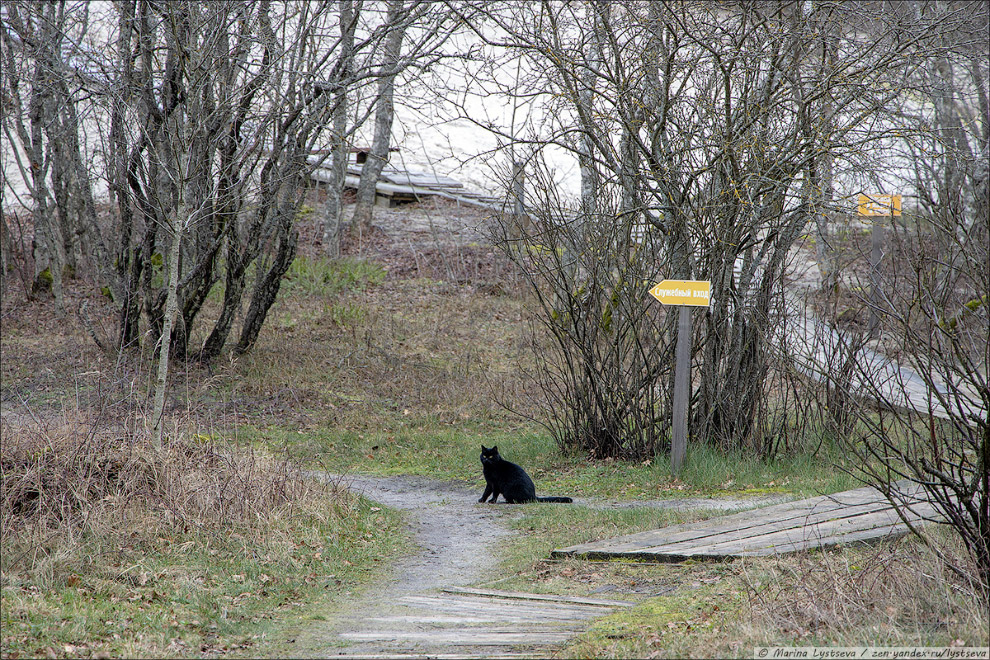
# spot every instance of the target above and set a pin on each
(509, 480)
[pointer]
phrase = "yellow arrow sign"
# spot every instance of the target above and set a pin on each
(697, 293)
(884, 205)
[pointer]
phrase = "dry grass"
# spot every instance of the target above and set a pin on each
(895, 594)
(113, 548)
(364, 359)
(65, 484)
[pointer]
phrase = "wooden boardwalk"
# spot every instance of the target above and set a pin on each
(854, 516)
(396, 185)
(470, 623)
(816, 344)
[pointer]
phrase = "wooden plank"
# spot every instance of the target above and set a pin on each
(460, 618)
(810, 536)
(861, 537)
(816, 532)
(738, 525)
(739, 520)
(736, 522)
(483, 620)
(391, 189)
(890, 526)
(405, 178)
(766, 525)
(516, 595)
(490, 615)
(408, 178)
(853, 516)
(463, 636)
(559, 611)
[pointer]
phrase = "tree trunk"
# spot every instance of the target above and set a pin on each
(823, 188)
(6, 252)
(267, 289)
(33, 26)
(49, 257)
(171, 309)
(333, 206)
(384, 112)
(233, 292)
(586, 95)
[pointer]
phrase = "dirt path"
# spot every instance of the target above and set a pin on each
(457, 535)
(422, 610)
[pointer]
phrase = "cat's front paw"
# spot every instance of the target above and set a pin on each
(481, 500)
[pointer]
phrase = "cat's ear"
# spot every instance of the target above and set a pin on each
(495, 448)
(484, 448)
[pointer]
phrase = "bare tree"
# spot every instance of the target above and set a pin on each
(817, 52)
(205, 119)
(31, 50)
(405, 38)
(217, 158)
(212, 111)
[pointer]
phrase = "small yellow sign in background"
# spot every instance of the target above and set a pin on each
(697, 293)
(879, 205)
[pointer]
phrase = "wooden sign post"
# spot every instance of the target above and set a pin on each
(686, 294)
(882, 206)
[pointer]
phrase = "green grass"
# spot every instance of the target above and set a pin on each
(428, 446)
(330, 277)
(681, 625)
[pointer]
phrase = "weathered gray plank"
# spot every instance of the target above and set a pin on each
(482, 623)
(862, 536)
(759, 524)
(463, 636)
(486, 606)
(889, 525)
(420, 179)
(768, 526)
(835, 530)
(392, 174)
(737, 524)
(515, 595)
(464, 619)
(853, 516)
(740, 520)
(793, 540)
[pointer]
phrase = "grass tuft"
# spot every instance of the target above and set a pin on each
(317, 276)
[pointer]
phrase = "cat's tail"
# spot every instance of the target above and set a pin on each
(558, 500)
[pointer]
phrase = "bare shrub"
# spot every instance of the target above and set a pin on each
(922, 419)
(602, 351)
